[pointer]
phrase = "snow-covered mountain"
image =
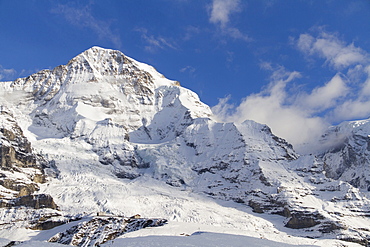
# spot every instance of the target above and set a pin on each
(105, 133)
(349, 159)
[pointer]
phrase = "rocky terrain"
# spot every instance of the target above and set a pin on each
(101, 229)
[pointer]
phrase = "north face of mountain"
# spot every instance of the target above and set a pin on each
(105, 133)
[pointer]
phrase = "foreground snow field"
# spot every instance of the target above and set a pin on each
(197, 239)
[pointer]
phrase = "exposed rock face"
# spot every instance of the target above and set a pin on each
(21, 172)
(15, 149)
(49, 220)
(20, 186)
(35, 201)
(102, 229)
(299, 221)
(21, 169)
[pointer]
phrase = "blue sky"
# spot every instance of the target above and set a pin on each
(295, 65)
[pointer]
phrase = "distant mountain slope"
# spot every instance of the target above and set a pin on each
(349, 160)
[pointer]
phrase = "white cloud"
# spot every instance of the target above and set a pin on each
(324, 97)
(82, 17)
(7, 74)
(349, 101)
(223, 111)
(305, 43)
(230, 56)
(352, 109)
(273, 107)
(357, 106)
(366, 85)
(356, 73)
(236, 34)
(190, 31)
(154, 43)
(220, 12)
(328, 46)
(189, 69)
(301, 117)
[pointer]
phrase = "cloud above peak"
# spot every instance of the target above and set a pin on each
(302, 116)
(222, 9)
(155, 43)
(328, 46)
(277, 108)
(220, 12)
(326, 96)
(83, 17)
(6, 74)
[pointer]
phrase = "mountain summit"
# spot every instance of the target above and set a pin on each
(111, 135)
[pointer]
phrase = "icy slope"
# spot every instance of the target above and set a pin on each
(122, 139)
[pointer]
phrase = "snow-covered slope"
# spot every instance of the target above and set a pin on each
(116, 136)
(349, 159)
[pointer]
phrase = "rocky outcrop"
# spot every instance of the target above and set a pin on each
(301, 220)
(32, 201)
(101, 229)
(35, 201)
(21, 169)
(49, 221)
(15, 149)
(19, 186)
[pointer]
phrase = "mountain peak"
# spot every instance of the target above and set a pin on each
(100, 61)
(99, 54)
(104, 62)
